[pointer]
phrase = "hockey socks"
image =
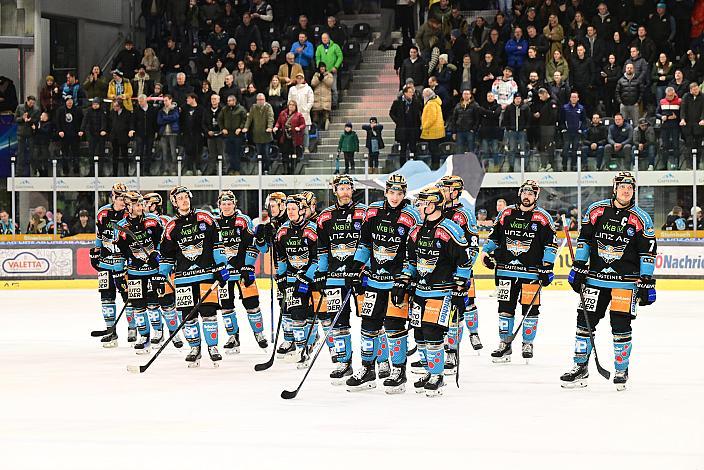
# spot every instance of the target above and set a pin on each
(129, 313)
(422, 352)
(210, 331)
(471, 318)
(300, 329)
(370, 345)
(170, 318)
(229, 318)
(622, 351)
(505, 326)
(530, 328)
(141, 320)
(287, 325)
(255, 320)
(582, 346)
(435, 358)
(154, 316)
(398, 346)
(109, 309)
(191, 330)
(382, 351)
(342, 345)
(454, 336)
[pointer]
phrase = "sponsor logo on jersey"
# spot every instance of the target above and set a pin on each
(610, 253)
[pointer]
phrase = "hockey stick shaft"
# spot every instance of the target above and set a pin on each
(271, 310)
(604, 373)
(312, 327)
(96, 333)
(287, 395)
(282, 314)
(192, 313)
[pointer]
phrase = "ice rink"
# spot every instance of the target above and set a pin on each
(67, 403)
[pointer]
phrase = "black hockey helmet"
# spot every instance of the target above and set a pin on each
(178, 190)
(624, 177)
(227, 195)
(531, 185)
(397, 182)
(342, 179)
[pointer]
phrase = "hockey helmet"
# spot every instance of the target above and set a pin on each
(133, 197)
(530, 185)
(397, 182)
(153, 198)
(452, 182)
(227, 195)
(342, 179)
(276, 197)
(178, 190)
(431, 194)
(310, 198)
(624, 177)
(118, 189)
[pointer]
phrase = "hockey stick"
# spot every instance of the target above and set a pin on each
(270, 362)
(286, 394)
(193, 313)
(111, 330)
(271, 288)
(604, 373)
(314, 326)
(459, 342)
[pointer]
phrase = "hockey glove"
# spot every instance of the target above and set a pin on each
(222, 274)
(158, 284)
(154, 259)
(489, 261)
(95, 257)
(578, 275)
(320, 282)
(120, 281)
(545, 274)
(398, 292)
(281, 284)
(247, 275)
(302, 286)
(264, 233)
(646, 291)
(461, 284)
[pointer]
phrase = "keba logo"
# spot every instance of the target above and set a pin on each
(25, 262)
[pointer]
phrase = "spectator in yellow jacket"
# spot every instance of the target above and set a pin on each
(120, 87)
(432, 125)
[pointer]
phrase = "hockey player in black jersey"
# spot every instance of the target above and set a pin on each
(166, 299)
(104, 259)
(613, 267)
(297, 261)
(438, 260)
(382, 249)
(339, 227)
(522, 247)
(463, 300)
(140, 257)
(237, 234)
(192, 249)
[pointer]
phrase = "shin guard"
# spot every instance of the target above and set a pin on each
(191, 330)
(109, 310)
(582, 346)
(170, 318)
(254, 317)
(142, 322)
(622, 350)
(287, 325)
(398, 347)
(530, 328)
(435, 358)
(229, 319)
(210, 331)
(422, 353)
(382, 351)
(129, 313)
(369, 345)
(471, 318)
(299, 333)
(154, 316)
(505, 326)
(342, 344)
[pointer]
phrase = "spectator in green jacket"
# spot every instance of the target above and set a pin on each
(349, 144)
(232, 120)
(329, 54)
(260, 123)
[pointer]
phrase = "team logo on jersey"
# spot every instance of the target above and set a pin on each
(630, 231)
(192, 252)
(610, 253)
(534, 227)
(383, 254)
(202, 226)
(517, 247)
(401, 230)
(231, 251)
(343, 250)
(298, 261)
(438, 244)
(426, 266)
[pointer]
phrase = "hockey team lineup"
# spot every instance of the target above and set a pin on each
(402, 268)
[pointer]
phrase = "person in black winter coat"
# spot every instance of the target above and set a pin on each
(172, 62)
(582, 77)
(545, 114)
(44, 133)
(68, 124)
(608, 78)
(192, 132)
(515, 122)
(406, 112)
(413, 67)
(230, 88)
(127, 60)
(120, 128)
(489, 130)
(691, 120)
(594, 142)
(374, 142)
(463, 123)
(213, 133)
(145, 129)
(488, 70)
(94, 127)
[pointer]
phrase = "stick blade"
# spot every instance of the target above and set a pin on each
(604, 373)
(412, 351)
(98, 333)
(263, 366)
(134, 369)
(287, 394)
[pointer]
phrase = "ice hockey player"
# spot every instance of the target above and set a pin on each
(166, 299)
(339, 227)
(139, 255)
(104, 259)
(522, 247)
(463, 299)
(437, 259)
(237, 235)
(382, 249)
(613, 267)
(264, 238)
(319, 303)
(297, 261)
(192, 249)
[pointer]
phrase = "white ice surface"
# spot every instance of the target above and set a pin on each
(67, 403)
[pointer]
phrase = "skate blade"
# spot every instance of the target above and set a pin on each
(575, 384)
(110, 345)
(232, 351)
(142, 352)
(433, 393)
(395, 390)
(452, 371)
(360, 388)
(501, 360)
(263, 345)
(216, 364)
(341, 381)
(292, 357)
(193, 365)
(620, 387)
(420, 391)
(418, 370)
(302, 365)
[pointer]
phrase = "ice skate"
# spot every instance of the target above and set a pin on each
(527, 351)
(215, 356)
(417, 367)
(502, 354)
(384, 369)
(142, 346)
(158, 336)
(304, 358)
(419, 384)
(109, 340)
(287, 348)
(620, 379)
(178, 342)
(193, 358)
(363, 379)
(131, 335)
(451, 362)
(475, 341)
(261, 340)
(397, 382)
(433, 387)
(576, 377)
(339, 374)
(233, 344)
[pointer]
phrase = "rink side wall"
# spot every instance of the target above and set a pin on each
(42, 262)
